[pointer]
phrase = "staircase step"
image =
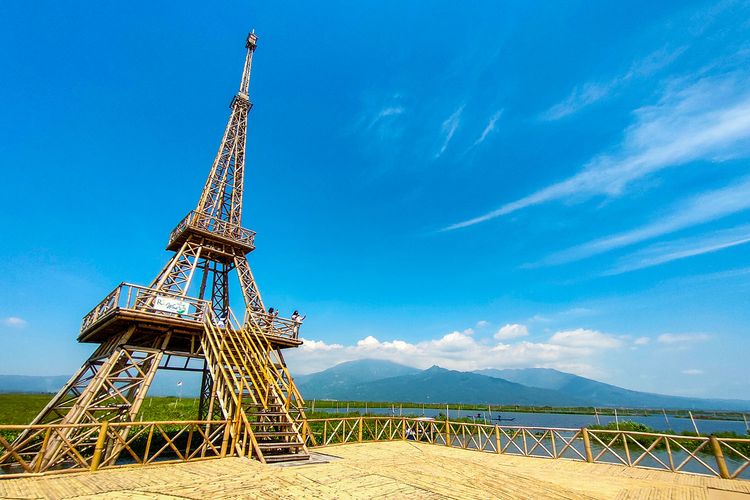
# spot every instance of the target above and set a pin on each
(278, 445)
(270, 424)
(266, 434)
(285, 457)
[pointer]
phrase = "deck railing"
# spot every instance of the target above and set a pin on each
(137, 443)
(274, 325)
(213, 225)
(143, 443)
(140, 298)
(727, 458)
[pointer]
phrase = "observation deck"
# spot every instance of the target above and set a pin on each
(229, 237)
(157, 310)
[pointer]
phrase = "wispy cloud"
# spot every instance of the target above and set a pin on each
(487, 129)
(682, 338)
(14, 322)
(582, 337)
(594, 91)
(708, 119)
(692, 371)
(384, 113)
(449, 127)
(699, 209)
(581, 97)
(661, 253)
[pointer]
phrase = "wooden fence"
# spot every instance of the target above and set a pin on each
(127, 444)
(728, 458)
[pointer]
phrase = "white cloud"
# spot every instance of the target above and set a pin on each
(661, 253)
(581, 97)
(707, 119)
(699, 209)
(585, 338)
(457, 350)
(384, 113)
(482, 323)
(511, 331)
(369, 342)
(692, 371)
(642, 341)
(488, 128)
(682, 338)
(449, 127)
(14, 322)
(319, 345)
(591, 92)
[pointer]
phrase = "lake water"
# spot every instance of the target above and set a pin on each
(658, 422)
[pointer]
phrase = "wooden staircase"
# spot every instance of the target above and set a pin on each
(255, 391)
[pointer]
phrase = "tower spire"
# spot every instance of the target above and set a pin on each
(221, 198)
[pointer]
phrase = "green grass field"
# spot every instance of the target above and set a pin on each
(22, 408)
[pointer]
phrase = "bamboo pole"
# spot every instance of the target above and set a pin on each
(587, 445)
(719, 456)
(695, 426)
(100, 441)
(617, 421)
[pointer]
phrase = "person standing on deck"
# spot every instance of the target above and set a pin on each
(297, 322)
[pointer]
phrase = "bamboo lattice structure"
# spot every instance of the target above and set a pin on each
(184, 314)
(145, 443)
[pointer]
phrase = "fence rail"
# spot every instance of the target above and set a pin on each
(727, 458)
(112, 444)
(120, 444)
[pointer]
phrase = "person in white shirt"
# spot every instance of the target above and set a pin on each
(297, 320)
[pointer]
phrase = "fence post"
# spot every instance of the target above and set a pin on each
(360, 429)
(97, 458)
(719, 456)
(552, 440)
(448, 441)
(587, 445)
(403, 429)
(225, 439)
(38, 465)
(498, 449)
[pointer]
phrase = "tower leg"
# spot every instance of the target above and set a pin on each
(109, 387)
(208, 395)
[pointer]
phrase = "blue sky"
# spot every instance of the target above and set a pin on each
(495, 184)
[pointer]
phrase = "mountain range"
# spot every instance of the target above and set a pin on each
(378, 380)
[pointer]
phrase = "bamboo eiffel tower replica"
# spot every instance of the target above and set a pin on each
(184, 315)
